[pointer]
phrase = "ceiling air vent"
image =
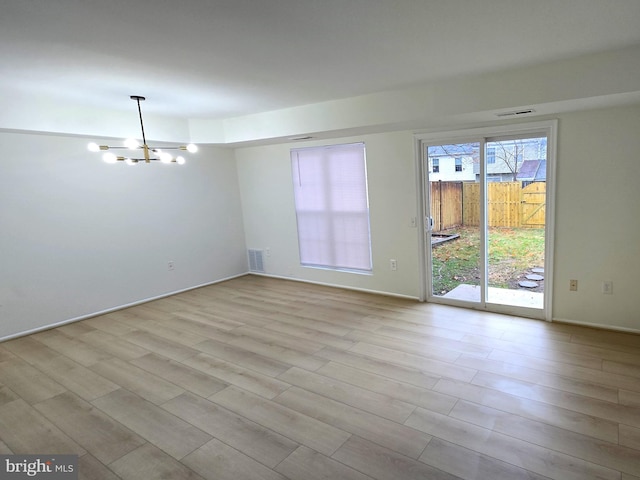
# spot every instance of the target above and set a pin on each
(515, 113)
(305, 137)
(256, 261)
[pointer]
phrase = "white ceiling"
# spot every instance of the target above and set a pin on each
(225, 58)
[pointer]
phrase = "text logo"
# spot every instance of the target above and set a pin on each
(39, 467)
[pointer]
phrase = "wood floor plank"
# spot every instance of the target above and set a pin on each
(399, 390)
(246, 436)
(606, 410)
(436, 367)
(28, 382)
(631, 399)
(307, 464)
(76, 329)
(78, 379)
(113, 323)
(409, 375)
(590, 449)
(240, 356)
(592, 375)
(7, 395)
(90, 468)
(112, 345)
(471, 465)
(630, 437)
(4, 449)
(277, 352)
(303, 429)
(77, 351)
(560, 417)
(306, 322)
(384, 464)
(255, 382)
(395, 436)
(159, 427)
(306, 333)
(282, 339)
(417, 323)
(101, 435)
(179, 374)
(5, 354)
(207, 318)
(525, 455)
(149, 461)
(541, 378)
(546, 355)
(161, 345)
(429, 340)
(379, 404)
(435, 352)
(146, 384)
(623, 368)
(194, 329)
(216, 460)
(30, 350)
(25, 430)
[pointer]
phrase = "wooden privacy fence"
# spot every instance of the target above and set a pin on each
(446, 205)
(509, 204)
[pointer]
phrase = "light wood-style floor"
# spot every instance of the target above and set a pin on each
(259, 378)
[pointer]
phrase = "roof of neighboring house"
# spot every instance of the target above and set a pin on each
(533, 171)
(460, 150)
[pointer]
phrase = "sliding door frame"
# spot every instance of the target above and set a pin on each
(547, 128)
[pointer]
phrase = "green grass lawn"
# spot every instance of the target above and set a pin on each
(512, 251)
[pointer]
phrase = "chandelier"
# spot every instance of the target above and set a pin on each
(150, 153)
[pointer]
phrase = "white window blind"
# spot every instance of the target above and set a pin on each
(332, 206)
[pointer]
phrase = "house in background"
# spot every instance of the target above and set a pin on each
(532, 171)
(505, 159)
(452, 163)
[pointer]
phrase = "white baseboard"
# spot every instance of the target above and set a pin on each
(114, 309)
(598, 326)
(344, 287)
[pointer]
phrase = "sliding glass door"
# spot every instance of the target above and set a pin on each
(454, 243)
(486, 210)
(516, 208)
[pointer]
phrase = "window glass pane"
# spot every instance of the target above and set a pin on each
(330, 188)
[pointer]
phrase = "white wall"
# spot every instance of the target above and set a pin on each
(598, 217)
(268, 207)
(78, 236)
(597, 208)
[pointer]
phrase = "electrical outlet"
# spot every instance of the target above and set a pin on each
(171, 265)
(393, 264)
(573, 285)
(607, 287)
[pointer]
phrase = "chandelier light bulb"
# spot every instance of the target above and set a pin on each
(94, 147)
(129, 161)
(110, 157)
(180, 160)
(132, 144)
(191, 148)
(165, 157)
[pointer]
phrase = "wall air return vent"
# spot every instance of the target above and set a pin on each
(515, 113)
(256, 260)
